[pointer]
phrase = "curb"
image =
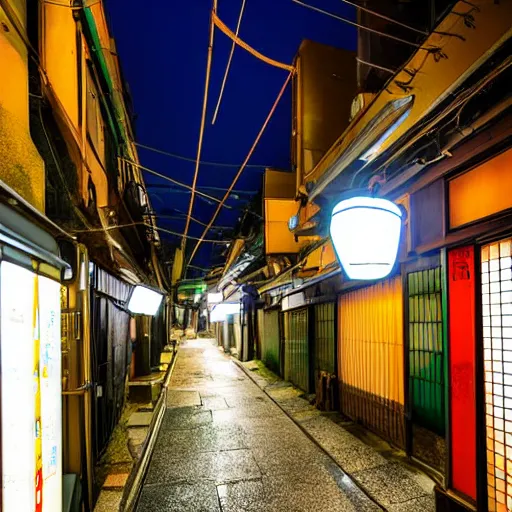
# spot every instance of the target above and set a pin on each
(135, 481)
(307, 434)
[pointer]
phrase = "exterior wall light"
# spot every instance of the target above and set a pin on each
(220, 311)
(214, 298)
(365, 232)
(144, 301)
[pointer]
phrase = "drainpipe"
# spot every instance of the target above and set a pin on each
(86, 352)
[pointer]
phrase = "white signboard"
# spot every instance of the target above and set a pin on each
(18, 388)
(51, 400)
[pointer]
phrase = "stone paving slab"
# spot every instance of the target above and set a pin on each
(349, 452)
(108, 501)
(140, 419)
(225, 466)
(116, 481)
(183, 398)
(243, 496)
(198, 497)
(287, 494)
(185, 418)
(390, 484)
(288, 462)
(214, 402)
(202, 439)
(415, 505)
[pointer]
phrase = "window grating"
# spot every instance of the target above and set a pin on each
(497, 339)
(426, 354)
(324, 338)
(297, 349)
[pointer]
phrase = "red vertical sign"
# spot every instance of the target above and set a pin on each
(461, 306)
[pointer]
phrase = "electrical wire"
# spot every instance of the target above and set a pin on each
(202, 126)
(354, 24)
(133, 224)
(242, 167)
(228, 66)
(376, 66)
(60, 172)
(461, 100)
(182, 215)
(381, 16)
(199, 268)
(175, 182)
(203, 162)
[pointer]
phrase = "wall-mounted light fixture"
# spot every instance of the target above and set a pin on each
(365, 232)
(220, 311)
(144, 301)
(214, 298)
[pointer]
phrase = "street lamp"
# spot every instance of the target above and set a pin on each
(365, 232)
(144, 301)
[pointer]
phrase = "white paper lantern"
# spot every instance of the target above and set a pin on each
(365, 232)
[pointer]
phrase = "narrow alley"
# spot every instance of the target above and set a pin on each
(256, 256)
(224, 445)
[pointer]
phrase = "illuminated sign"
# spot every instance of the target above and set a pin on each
(50, 388)
(18, 393)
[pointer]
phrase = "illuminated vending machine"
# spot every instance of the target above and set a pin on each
(30, 363)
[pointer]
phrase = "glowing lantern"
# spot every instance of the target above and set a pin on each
(365, 232)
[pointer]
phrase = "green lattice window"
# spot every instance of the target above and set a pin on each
(426, 349)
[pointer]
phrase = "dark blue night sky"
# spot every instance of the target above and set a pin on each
(163, 46)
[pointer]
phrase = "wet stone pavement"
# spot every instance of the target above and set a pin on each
(225, 446)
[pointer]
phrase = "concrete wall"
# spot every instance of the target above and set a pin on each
(21, 166)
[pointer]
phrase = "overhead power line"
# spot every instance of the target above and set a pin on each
(228, 66)
(202, 125)
(175, 182)
(181, 216)
(242, 167)
(163, 230)
(234, 193)
(202, 162)
(381, 16)
(354, 24)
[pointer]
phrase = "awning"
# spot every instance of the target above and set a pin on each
(21, 235)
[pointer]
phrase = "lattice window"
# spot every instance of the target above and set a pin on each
(497, 338)
(426, 354)
(297, 349)
(325, 338)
